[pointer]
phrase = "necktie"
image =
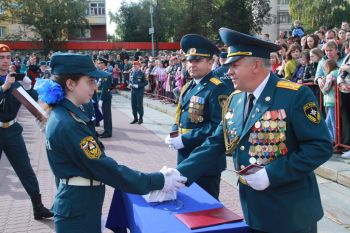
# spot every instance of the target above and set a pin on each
(192, 85)
(251, 98)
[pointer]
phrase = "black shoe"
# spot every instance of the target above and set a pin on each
(140, 121)
(134, 121)
(105, 135)
(39, 210)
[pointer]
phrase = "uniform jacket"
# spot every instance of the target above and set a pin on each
(292, 201)
(104, 86)
(203, 104)
(73, 151)
(138, 77)
(221, 73)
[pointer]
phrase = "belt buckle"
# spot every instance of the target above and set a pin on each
(5, 125)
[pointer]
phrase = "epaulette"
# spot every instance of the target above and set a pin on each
(236, 92)
(77, 119)
(215, 81)
(288, 85)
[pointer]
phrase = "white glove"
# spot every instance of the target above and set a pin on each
(135, 85)
(100, 103)
(259, 180)
(175, 143)
(26, 83)
(167, 140)
(173, 181)
(160, 196)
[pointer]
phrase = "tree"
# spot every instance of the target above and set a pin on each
(175, 18)
(314, 14)
(52, 20)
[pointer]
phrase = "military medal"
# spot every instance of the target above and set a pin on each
(257, 125)
(252, 160)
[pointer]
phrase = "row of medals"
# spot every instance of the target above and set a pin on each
(267, 137)
(196, 108)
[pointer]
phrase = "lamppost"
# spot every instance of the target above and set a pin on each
(151, 29)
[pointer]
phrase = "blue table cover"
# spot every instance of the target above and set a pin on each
(133, 212)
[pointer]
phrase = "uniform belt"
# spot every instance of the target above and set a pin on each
(7, 124)
(81, 181)
(184, 130)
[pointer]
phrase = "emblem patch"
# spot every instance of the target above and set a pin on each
(90, 147)
(312, 113)
(193, 50)
(222, 100)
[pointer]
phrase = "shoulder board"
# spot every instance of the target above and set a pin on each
(288, 85)
(76, 118)
(236, 92)
(215, 81)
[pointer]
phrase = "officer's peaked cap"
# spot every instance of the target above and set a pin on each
(242, 45)
(196, 46)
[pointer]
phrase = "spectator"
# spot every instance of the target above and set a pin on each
(341, 40)
(312, 41)
(275, 62)
(316, 55)
(322, 38)
(327, 86)
(297, 29)
(300, 70)
(124, 55)
(293, 55)
(266, 37)
(303, 42)
(137, 54)
(343, 82)
(345, 26)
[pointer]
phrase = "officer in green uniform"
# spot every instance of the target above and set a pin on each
(75, 156)
(11, 139)
(137, 85)
(105, 97)
(221, 72)
(199, 109)
(273, 123)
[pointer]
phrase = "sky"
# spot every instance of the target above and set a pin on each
(113, 6)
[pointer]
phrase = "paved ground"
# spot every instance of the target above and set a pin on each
(140, 147)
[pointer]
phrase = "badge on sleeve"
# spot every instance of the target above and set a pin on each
(90, 147)
(312, 113)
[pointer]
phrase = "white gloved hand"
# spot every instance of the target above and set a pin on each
(26, 83)
(100, 103)
(167, 140)
(175, 143)
(135, 85)
(160, 196)
(173, 181)
(259, 180)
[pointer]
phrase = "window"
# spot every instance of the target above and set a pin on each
(283, 2)
(1, 10)
(284, 17)
(2, 32)
(84, 33)
(96, 8)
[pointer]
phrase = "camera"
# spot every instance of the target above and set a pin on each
(18, 77)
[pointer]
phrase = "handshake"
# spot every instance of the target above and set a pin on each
(173, 182)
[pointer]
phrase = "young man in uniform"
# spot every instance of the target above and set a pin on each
(105, 96)
(272, 123)
(199, 109)
(11, 139)
(137, 85)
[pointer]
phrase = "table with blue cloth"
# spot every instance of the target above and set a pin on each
(133, 212)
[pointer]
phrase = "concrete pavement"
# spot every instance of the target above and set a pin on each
(140, 147)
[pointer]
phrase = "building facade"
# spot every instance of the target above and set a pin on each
(280, 19)
(95, 14)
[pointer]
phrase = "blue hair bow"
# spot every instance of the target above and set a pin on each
(49, 91)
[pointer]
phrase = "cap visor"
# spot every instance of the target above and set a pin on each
(194, 57)
(232, 59)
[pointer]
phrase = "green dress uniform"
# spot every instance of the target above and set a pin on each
(283, 132)
(221, 73)
(106, 97)
(198, 114)
(12, 143)
(73, 151)
(137, 78)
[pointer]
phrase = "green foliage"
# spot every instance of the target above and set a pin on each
(52, 20)
(175, 18)
(314, 14)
